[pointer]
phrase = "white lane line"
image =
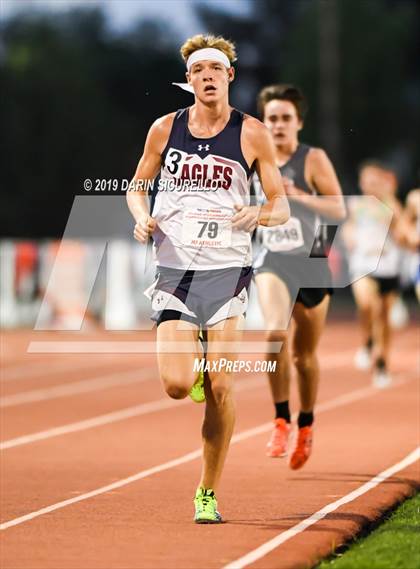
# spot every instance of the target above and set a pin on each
(272, 544)
(106, 419)
(43, 368)
(260, 429)
(115, 379)
(134, 478)
(165, 403)
(76, 387)
(134, 411)
(32, 370)
(149, 472)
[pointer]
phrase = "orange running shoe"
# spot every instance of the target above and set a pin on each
(277, 445)
(302, 448)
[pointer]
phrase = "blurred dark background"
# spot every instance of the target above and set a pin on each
(79, 97)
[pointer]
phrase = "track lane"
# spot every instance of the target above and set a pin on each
(142, 524)
(248, 397)
(252, 405)
(61, 467)
(77, 404)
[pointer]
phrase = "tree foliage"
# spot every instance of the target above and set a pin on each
(78, 100)
(378, 82)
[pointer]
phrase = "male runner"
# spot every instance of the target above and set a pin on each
(375, 293)
(282, 267)
(201, 226)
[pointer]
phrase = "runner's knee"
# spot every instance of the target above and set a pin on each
(221, 386)
(177, 387)
(305, 363)
(365, 307)
(176, 391)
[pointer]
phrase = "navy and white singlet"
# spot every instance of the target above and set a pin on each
(193, 198)
(203, 265)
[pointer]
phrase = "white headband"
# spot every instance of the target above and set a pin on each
(207, 53)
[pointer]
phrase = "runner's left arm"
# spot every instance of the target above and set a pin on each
(323, 178)
(258, 145)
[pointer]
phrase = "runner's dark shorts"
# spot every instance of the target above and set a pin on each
(386, 284)
(295, 270)
(201, 297)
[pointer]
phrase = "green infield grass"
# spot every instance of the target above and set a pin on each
(395, 544)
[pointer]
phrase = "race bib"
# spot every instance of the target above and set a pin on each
(284, 237)
(206, 228)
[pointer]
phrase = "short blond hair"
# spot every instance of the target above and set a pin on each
(201, 41)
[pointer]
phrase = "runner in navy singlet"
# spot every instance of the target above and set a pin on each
(200, 222)
(282, 273)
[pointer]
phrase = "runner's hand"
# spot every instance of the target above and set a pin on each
(144, 227)
(246, 218)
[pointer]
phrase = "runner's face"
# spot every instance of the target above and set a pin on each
(390, 183)
(374, 181)
(210, 80)
(281, 118)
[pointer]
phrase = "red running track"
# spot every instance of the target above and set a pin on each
(75, 427)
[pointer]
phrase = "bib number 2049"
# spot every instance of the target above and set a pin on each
(283, 237)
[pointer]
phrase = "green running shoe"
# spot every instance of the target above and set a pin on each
(197, 390)
(206, 507)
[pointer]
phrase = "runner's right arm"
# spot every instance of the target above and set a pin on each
(147, 169)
